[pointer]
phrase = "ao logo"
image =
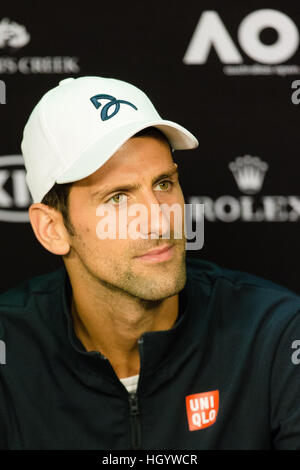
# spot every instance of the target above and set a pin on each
(211, 32)
(14, 193)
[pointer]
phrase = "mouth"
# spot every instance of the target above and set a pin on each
(158, 255)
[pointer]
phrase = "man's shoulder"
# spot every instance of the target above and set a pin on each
(19, 296)
(241, 289)
(210, 273)
(245, 301)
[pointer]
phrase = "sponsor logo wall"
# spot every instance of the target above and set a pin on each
(229, 73)
(249, 173)
(13, 36)
(211, 32)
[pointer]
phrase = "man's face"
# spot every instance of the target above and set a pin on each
(135, 174)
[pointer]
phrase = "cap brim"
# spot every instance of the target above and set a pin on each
(100, 151)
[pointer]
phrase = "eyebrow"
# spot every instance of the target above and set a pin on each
(132, 187)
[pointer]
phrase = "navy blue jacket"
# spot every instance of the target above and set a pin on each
(226, 376)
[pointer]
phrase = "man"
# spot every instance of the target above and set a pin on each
(131, 345)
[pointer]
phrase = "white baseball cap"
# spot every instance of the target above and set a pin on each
(78, 125)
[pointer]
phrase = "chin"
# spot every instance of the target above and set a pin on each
(157, 291)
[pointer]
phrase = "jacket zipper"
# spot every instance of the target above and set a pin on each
(135, 422)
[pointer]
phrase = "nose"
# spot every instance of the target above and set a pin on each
(152, 220)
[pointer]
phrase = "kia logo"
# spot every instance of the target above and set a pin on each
(14, 194)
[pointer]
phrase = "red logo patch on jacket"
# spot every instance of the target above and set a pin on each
(202, 409)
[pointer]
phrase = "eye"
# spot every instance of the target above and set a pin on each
(166, 185)
(116, 199)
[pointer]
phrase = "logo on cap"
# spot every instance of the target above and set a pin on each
(113, 102)
(202, 409)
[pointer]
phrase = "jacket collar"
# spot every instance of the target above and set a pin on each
(157, 348)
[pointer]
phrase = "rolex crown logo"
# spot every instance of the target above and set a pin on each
(249, 173)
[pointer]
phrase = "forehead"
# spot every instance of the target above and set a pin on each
(138, 157)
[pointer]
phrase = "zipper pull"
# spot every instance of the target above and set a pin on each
(134, 409)
(135, 422)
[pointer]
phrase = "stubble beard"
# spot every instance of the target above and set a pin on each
(151, 284)
(154, 283)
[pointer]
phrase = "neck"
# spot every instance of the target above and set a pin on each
(112, 321)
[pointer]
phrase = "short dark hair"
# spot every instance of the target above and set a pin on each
(58, 196)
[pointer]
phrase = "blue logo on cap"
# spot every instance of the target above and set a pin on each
(113, 102)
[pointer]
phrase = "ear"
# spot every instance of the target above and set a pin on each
(48, 226)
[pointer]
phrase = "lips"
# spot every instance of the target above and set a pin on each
(158, 254)
(158, 251)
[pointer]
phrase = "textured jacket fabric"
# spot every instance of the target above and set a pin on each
(226, 376)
